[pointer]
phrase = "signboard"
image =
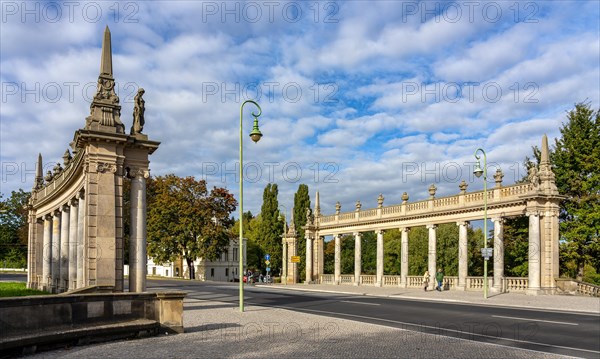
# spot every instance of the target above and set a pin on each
(267, 262)
(487, 252)
(268, 269)
(295, 259)
(267, 256)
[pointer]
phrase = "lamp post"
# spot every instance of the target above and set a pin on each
(255, 135)
(485, 252)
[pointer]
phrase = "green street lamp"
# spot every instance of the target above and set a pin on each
(486, 253)
(255, 135)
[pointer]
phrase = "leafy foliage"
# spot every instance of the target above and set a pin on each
(301, 204)
(14, 230)
(184, 219)
(576, 164)
(270, 229)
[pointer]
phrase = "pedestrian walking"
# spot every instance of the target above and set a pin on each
(439, 277)
(426, 280)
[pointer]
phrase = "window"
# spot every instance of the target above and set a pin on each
(212, 272)
(153, 270)
(226, 272)
(235, 253)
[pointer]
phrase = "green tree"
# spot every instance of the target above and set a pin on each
(254, 253)
(301, 204)
(576, 164)
(392, 242)
(185, 219)
(516, 246)
(271, 228)
(14, 229)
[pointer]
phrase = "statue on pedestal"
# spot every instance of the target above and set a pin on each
(138, 112)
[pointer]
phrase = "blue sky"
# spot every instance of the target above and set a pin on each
(358, 97)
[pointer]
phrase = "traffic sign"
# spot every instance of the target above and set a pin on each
(268, 269)
(267, 262)
(295, 259)
(487, 252)
(267, 256)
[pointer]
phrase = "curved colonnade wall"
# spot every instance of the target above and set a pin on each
(538, 199)
(76, 211)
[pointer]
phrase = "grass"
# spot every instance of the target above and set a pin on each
(17, 289)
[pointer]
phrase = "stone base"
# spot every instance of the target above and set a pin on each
(461, 288)
(533, 291)
(496, 290)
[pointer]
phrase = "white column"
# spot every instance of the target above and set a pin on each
(64, 249)
(404, 256)
(337, 269)
(498, 254)
(379, 277)
(55, 251)
(47, 255)
(73, 244)
(137, 249)
(534, 253)
(432, 256)
(357, 257)
(463, 255)
(309, 259)
(81, 282)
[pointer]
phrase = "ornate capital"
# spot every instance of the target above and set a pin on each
(462, 223)
(103, 167)
(431, 226)
(138, 172)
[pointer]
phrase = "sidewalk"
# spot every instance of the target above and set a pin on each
(520, 300)
(215, 328)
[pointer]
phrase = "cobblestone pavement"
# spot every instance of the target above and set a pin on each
(216, 329)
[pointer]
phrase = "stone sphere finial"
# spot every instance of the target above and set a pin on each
(432, 189)
(380, 201)
(463, 187)
(498, 177)
(404, 197)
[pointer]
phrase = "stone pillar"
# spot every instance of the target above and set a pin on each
(284, 260)
(318, 257)
(404, 256)
(337, 269)
(64, 249)
(534, 253)
(73, 211)
(55, 251)
(357, 257)
(379, 277)
(463, 255)
(32, 237)
(432, 255)
(498, 254)
(309, 259)
(81, 280)
(47, 255)
(137, 241)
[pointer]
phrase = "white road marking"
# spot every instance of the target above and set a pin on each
(534, 320)
(349, 301)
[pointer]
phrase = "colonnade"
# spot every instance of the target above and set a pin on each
(76, 231)
(432, 255)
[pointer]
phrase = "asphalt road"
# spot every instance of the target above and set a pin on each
(565, 333)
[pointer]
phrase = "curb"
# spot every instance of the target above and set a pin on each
(456, 301)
